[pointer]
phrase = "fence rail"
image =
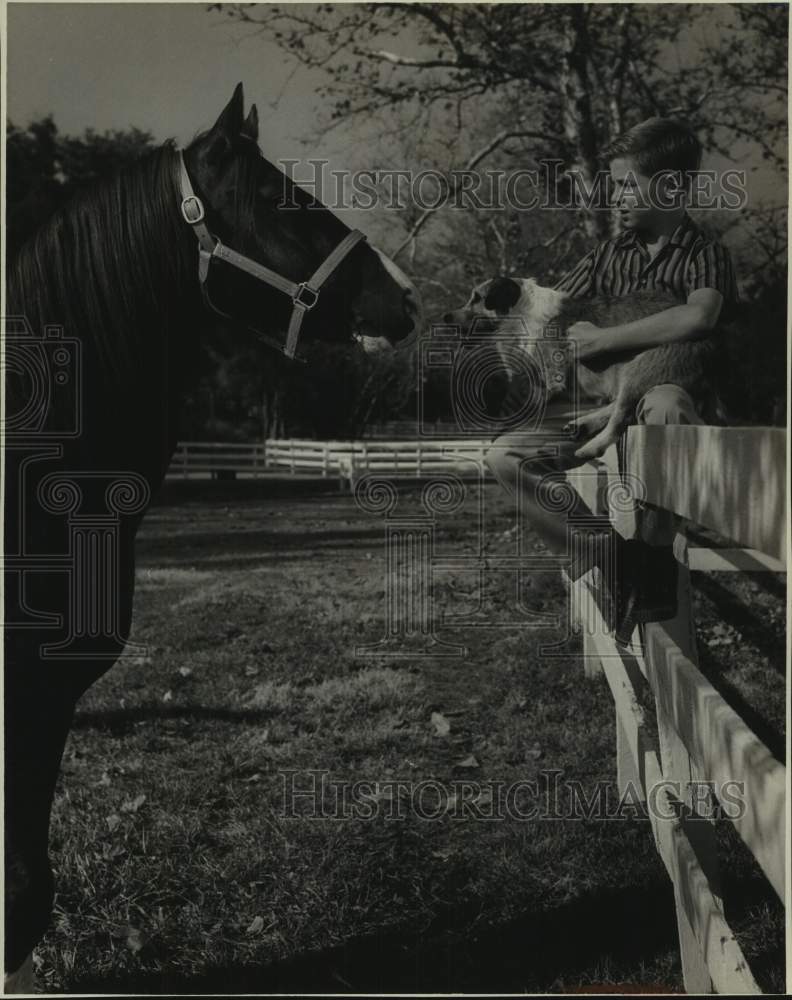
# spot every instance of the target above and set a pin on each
(346, 459)
(733, 481)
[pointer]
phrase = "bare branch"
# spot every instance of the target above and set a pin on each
(473, 162)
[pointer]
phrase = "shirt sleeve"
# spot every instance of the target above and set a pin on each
(711, 267)
(579, 282)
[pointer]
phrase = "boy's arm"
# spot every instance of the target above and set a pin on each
(710, 280)
(689, 321)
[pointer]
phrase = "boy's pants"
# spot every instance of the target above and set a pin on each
(519, 460)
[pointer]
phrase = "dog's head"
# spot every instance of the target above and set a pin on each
(517, 311)
(496, 298)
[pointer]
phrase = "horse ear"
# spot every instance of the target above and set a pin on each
(250, 124)
(227, 127)
(232, 115)
(502, 294)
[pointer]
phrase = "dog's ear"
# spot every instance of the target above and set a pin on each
(502, 294)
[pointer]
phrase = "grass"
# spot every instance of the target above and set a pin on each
(182, 865)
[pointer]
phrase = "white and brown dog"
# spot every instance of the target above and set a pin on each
(619, 380)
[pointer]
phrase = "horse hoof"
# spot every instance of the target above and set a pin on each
(23, 980)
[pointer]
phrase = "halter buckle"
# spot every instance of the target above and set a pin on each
(192, 204)
(298, 298)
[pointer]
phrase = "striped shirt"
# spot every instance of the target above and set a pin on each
(689, 260)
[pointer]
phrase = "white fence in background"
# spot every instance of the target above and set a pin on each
(346, 459)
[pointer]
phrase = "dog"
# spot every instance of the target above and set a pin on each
(618, 379)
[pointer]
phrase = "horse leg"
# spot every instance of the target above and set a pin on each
(37, 723)
(21, 981)
(40, 699)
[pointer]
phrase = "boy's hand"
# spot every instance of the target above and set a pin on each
(588, 338)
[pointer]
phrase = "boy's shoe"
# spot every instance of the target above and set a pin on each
(655, 571)
(645, 584)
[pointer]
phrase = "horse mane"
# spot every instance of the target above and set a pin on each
(110, 268)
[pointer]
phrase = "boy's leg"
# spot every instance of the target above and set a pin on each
(521, 460)
(525, 465)
(533, 470)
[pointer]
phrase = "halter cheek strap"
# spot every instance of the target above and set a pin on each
(304, 294)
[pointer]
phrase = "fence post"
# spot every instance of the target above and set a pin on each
(678, 767)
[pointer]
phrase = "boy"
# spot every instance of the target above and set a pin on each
(660, 247)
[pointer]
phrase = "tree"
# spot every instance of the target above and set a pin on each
(44, 169)
(567, 78)
(475, 86)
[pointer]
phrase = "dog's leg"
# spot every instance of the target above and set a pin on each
(588, 424)
(621, 408)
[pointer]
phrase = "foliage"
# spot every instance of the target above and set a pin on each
(44, 169)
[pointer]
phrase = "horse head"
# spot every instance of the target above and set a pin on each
(255, 210)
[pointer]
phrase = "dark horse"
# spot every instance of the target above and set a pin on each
(105, 308)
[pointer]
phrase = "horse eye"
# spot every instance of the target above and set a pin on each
(476, 297)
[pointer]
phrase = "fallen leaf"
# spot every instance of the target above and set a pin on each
(253, 777)
(256, 925)
(185, 671)
(135, 939)
(441, 724)
(168, 696)
(113, 822)
(132, 805)
(110, 851)
(469, 761)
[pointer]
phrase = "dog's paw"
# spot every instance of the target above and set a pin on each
(589, 451)
(596, 447)
(574, 429)
(585, 426)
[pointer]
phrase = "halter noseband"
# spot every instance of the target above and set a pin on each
(304, 294)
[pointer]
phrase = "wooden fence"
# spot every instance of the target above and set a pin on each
(733, 481)
(345, 459)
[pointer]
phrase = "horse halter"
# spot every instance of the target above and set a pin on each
(304, 294)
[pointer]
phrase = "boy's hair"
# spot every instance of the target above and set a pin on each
(658, 144)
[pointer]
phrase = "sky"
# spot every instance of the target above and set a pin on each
(167, 68)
